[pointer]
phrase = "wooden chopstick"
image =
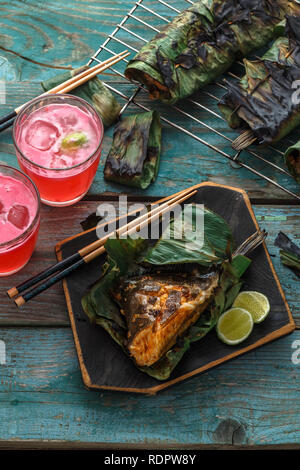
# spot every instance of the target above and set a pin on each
(8, 117)
(7, 120)
(133, 226)
(7, 124)
(88, 249)
(14, 291)
(88, 71)
(100, 69)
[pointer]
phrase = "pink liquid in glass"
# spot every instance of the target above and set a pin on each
(59, 147)
(19, 220)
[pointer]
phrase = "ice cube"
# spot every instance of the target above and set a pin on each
(71, 119)
(60, 160)
(18, 216)
(41, 135)
(68, 122)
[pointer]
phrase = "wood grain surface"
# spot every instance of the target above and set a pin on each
(251, 401)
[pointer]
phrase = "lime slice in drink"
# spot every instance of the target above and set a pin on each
(74, 141)
(256, 303)
(234, 326)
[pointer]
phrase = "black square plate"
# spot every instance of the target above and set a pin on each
(104, 365)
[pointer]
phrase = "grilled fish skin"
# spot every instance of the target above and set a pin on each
(160, 308)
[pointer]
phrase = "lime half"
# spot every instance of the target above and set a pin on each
(234, 326)
(74, 141)
(256, 303)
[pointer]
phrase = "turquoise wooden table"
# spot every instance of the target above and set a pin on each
(252, 401)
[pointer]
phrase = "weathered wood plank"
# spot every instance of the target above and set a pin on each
(50, 309)
(54, 33)
(247, 401)
(37, 37)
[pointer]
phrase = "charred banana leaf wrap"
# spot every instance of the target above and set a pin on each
(202, 42)
(135, 153)
(128, 258)
(93, 91)
(264, 99)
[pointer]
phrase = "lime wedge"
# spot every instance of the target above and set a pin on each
(74, 141)
(256, 303)
(234, 326)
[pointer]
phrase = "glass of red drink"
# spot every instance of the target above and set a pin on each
(58, 141)
(19, 219)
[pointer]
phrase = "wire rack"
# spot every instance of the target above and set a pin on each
(137, 28)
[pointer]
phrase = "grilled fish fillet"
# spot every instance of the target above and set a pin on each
(159, 308)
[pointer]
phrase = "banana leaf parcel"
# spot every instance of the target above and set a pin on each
(93, 91)
(135, 153)
(135, 257)
(263, 100)
(202, 42)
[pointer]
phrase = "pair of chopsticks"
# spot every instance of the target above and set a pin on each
(65, 87)
(60, 270)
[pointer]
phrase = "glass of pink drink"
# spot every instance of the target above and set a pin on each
(19, 219)
(58, 140)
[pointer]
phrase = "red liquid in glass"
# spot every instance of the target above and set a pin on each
(18, 208)
(14, 259)
(64, 188)
(62, 174)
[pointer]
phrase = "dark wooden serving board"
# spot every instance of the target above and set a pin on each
(104, 365)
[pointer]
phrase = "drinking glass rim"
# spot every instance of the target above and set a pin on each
(37, 215)
(88, 105)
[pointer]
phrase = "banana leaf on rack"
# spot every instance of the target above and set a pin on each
(264, 99)
(128, 257)
(135, 153)
(202, 42)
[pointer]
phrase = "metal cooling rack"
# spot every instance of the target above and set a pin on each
(127, 34)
